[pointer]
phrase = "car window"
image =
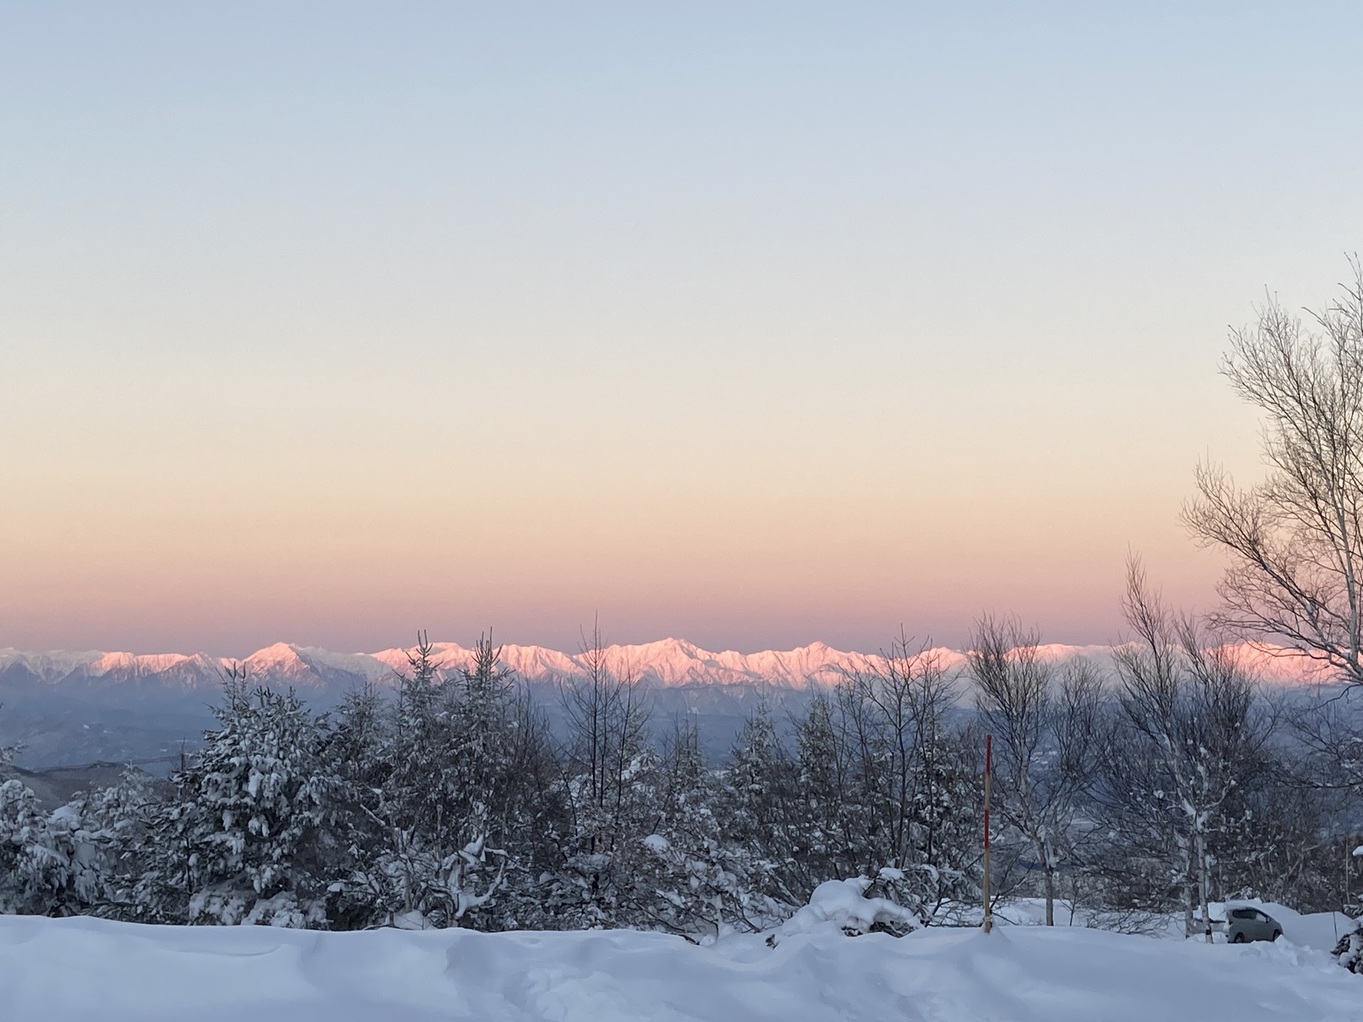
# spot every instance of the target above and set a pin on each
(1241, 913)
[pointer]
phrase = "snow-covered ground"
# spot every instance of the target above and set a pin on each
(66, 969)
(1319, 930)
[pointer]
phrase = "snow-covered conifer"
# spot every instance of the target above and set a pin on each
(247, 837)
(433, 798)
(701, 880)
(29, 865)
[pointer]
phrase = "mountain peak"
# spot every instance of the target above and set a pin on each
(280, 653)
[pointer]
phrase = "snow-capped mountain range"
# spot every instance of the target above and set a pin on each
(71, 708)
(667, 662)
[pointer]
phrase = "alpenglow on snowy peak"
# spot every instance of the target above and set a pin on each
(75, 708)
(668, 662)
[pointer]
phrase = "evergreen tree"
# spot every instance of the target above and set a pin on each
(430, 863)
(248, 837)
(29, 866)
(701, 880)
(66, 862)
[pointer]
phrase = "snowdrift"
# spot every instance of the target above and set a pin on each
(81, 968)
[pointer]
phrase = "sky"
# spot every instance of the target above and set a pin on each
(752, 324)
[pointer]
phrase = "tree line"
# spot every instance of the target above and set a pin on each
(449, 802)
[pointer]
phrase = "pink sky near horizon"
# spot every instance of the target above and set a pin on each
(752, 327)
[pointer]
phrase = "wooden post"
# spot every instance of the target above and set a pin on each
(1348, 867)
(988, 775)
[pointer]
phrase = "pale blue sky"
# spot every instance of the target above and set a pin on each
(755, 324)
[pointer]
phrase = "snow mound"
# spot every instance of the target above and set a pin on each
(63, 970)
(843, 905)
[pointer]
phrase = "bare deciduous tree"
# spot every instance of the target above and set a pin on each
(1044, 737)
(906, 799)
(610, 770)
(1296, 539)
(1195, 730)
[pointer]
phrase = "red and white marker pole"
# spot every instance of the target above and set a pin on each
(988, 776)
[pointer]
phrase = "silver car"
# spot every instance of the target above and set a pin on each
(1246, 924)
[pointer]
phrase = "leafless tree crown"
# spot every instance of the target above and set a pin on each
(1296, 539)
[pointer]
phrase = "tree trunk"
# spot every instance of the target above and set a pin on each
(1203, 884)
(1050, 895)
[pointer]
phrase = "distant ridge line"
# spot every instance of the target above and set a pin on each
(669, 662)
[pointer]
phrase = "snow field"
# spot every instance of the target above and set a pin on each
(1318, 930)
(56, 970)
